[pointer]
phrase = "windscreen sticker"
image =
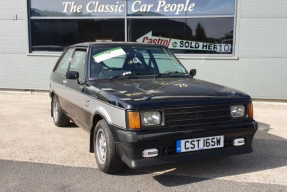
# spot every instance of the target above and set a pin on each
(111, 53)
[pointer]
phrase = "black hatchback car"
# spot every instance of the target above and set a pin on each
(142, 108)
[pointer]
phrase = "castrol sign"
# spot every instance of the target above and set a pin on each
(184, 44)
(148, 38)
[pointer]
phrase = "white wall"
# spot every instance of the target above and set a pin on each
(17, 70)
(259, 70)
(261, 67)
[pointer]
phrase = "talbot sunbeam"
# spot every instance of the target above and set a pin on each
(142, 108)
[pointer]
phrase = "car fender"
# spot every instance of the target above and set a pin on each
(101, 111)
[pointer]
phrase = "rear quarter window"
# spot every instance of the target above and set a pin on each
(63, 64)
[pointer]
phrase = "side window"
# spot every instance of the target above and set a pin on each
(63, 65)
(78, 63)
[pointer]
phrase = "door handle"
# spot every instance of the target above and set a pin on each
(65, 82)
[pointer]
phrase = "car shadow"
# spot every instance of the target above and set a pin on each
(72, 125)
(269, 153)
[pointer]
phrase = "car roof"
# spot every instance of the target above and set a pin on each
(123, 44)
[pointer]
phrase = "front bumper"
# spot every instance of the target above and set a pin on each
(132, 144)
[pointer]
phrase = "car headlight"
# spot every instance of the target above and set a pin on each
(237, 111)
(151, 118)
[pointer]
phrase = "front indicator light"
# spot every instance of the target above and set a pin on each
(250, 110)
(134, 120)
(237, 111)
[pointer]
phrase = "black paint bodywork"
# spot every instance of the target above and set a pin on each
(147, 92)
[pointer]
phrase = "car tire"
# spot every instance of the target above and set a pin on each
(60, 119)
(107, 156)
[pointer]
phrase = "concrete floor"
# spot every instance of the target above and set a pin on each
(28, 135)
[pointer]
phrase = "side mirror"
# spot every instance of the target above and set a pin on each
(192, 72)
(72, 75)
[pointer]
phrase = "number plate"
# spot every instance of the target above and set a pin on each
(199, 144)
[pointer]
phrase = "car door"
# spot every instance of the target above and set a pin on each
(58, 76)
(76, 89)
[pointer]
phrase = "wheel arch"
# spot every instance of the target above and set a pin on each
(96, 118)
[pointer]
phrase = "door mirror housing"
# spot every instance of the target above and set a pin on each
(192, 72)
(72, 75)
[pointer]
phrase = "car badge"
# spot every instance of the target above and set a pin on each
(199, 115)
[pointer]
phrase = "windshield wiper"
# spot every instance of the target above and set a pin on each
(168, 73)
(129, 74)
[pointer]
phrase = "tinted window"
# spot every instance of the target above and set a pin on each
(78, 63)
(112, 8)
(199, 36)
(192, 26)
(63, 65)
(78, 8)
(55, 35)
(181, 7)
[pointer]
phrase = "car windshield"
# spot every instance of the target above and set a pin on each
(108, 62)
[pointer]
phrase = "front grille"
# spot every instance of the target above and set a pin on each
(188, 116)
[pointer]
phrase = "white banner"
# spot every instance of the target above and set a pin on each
(115, 52)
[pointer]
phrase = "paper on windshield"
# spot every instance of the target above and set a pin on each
(105, 55)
